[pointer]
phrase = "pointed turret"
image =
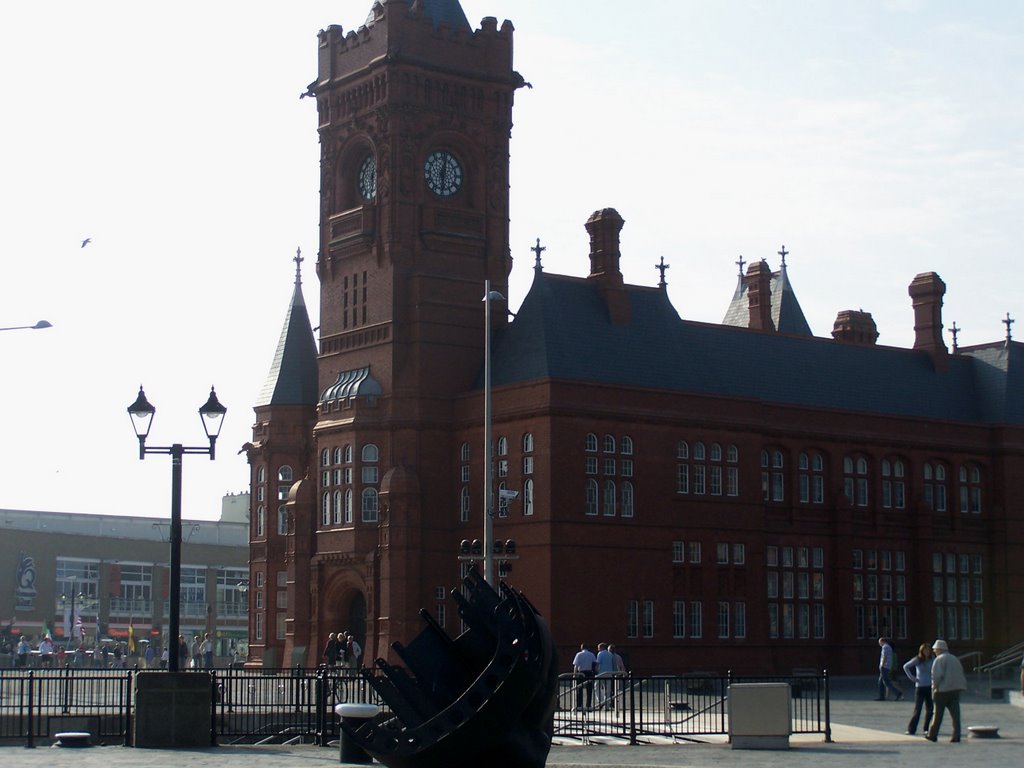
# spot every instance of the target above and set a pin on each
(293, 375)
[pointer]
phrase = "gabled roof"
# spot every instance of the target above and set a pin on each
(293, 375)
(787, 316)
(562, 331)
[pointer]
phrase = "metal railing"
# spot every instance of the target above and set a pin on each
(632, 707)
(262, 706)
(36, 704)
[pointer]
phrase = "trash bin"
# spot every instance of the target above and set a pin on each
(354, 715)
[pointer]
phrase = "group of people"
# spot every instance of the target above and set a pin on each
(342, 649)
(604, 667)
(938, 678)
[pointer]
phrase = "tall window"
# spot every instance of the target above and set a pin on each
(338, 505)
(261, 522)
(773, 465)
(678, 619)
(970, 489)
(893, 488)
(609, 498)
(528, 497)
(370, 456)
(369, 505)
(348, 506)
(627, 499)
(715, 470)
(325, 509)
(464, 505)
(700, 469)
(648, 618)
(935, 486)
(591, 498)
(282, 521)
(683, 467)
(732, 472)
(632, 618)
(812, 479)
(855, 480)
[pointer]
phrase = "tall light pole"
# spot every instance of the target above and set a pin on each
(489, 296)
(36, 327)
(212, 415)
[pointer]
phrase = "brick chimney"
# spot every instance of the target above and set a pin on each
(604, 227)
(855, 327)
(759, 296)
(926, 291)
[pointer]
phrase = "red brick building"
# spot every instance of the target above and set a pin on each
(740, 496)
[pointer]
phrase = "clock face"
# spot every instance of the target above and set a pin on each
(442, 173)
(368, 178)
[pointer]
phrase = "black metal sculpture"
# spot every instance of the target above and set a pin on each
(486, 698)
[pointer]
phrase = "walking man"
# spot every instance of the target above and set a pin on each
(948, 681)
(884, 668)
(583, 665)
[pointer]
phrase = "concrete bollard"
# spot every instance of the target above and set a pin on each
(354, 715)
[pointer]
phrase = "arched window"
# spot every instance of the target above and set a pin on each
(325, 509)
(698, 452)
(627, 445)
(716, 452)
(261, 522)
(503, 446)
(773, 478)
(261, 474)
(609, 498)
(464, 505)
(627, 499)
(855, 480)
(338, 509)
(683, 467)
(970, 489)
(348, 507)
(325, 457)
(591, 501)
(590, 443)
(609, 444)
(284, 474)
(464, 453)
(732, 473)
(528, 497)
(715, 470)
(935, 492)
(337, 455)
(812, 481)
(282, 521)
(528, 442)
(369, 505)
(369, 456)
(347, 454)
(893, 484)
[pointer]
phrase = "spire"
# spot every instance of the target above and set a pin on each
(538, 249)
(294, 376)
(438, 11)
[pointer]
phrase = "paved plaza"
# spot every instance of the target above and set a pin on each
(863, 730)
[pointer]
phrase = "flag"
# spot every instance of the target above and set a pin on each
(46, 629)
(79, 627)
(131, 637)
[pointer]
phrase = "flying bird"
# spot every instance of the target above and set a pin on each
(86, 241)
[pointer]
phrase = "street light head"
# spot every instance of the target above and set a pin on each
(493, 296)
(42, 324)
(212, 414)
(142, 413)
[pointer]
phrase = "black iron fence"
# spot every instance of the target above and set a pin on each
(265, 706)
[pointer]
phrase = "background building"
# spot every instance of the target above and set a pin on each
(117, 569)
(740, 496)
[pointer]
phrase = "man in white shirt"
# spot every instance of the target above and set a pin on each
(584, 665)
(948, 680)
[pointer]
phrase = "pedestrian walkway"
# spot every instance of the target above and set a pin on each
(863, 730)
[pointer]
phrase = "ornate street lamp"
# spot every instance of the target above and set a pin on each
(212, 416)
(488, 546)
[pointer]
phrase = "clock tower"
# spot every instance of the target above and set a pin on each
(415, 113)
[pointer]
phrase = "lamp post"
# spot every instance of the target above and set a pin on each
(489, 296)
(36, 327)
(212, 415)
(80, 598)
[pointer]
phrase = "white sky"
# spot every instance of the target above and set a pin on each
(875, 139)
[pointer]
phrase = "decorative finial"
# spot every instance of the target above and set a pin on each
(783, 253)
(956, 333)
(1008, 322)
(538, 249)
(298, 266)
(661, 266)
(740, 263)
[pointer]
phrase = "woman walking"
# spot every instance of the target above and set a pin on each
(919, 669)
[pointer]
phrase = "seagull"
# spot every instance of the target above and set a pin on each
(86, 241)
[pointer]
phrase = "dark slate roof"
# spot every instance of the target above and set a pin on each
(562, 331)
(293, 374)
(787, 315)
(440, 12)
